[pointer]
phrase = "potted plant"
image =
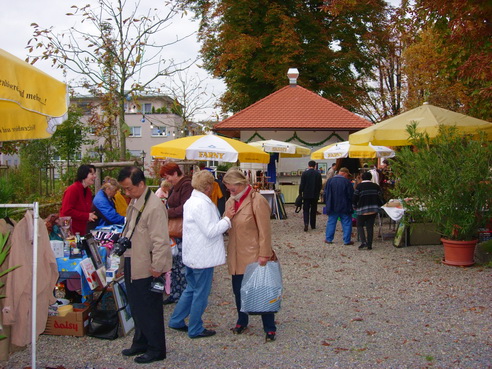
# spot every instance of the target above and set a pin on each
(449, 179)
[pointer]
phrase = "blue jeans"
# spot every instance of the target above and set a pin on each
(346, 220)
(193, 301)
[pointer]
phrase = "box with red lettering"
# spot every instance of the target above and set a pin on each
(73, 324)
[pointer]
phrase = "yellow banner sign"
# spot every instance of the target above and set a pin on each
(210, 155)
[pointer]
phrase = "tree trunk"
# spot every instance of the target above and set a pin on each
(122, 130)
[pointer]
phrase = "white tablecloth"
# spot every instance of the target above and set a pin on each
(394, 213)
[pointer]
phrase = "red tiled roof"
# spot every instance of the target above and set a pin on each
(293, 108)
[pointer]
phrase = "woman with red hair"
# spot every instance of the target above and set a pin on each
(178, 195)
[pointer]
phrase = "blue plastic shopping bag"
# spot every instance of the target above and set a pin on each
(261, 289)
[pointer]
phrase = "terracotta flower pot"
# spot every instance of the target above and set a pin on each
(459, 253)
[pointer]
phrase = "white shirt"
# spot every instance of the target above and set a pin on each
(203, 240)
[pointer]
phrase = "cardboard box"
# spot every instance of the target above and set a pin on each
(111, 274)
(72, 324)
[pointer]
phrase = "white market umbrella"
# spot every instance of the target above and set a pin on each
(285, 149)
(210, 147)
(343, 149)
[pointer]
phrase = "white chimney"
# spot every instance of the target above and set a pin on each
(293, 73)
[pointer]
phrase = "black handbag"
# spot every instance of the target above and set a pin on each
(103, 324)
(298, 203)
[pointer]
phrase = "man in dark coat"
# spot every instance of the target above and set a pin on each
(338, 197)
(310, 189)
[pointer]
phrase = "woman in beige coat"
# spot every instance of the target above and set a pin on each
(250, 241)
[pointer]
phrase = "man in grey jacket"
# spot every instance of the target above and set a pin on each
(148, 258)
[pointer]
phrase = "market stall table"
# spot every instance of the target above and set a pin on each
(71, 269)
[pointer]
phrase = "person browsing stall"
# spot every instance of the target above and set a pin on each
(77, 199)
(179, 194)
(250, 241)
(104, 205)
(148, 257)
(203, 249)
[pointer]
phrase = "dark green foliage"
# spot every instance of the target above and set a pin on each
(449, 180)
(252, 44)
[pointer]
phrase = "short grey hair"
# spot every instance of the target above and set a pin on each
(235, 177)
(202, 180)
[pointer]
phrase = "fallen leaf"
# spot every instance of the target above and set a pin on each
(339, 349)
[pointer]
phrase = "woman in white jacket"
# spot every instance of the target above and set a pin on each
(203, 249)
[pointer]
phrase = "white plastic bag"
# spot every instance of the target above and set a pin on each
(261, 289)
(174, 247)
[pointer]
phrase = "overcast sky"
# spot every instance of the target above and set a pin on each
(17, 15)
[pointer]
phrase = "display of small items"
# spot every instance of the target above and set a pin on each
(73, 247)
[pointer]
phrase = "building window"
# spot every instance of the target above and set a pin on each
(147, 108)
(135, 153)
(135, 131)
(85, 106)
(159, 131)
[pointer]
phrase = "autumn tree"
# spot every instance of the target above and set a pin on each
(191, 96)
(462, 32)
(423, 65)
(383, 92)
(70, 136)
(251, 44)
(116, 51)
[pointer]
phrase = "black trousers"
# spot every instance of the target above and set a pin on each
(243, 318)
(147, 312)
(309, 209)
(366, 221)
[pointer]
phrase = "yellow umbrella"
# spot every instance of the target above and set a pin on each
(392, 131)
(32, 103)
(209, 147)
(285, 149)
(344, 150)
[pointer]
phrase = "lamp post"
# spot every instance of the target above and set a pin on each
(142, 156)
(101, 152)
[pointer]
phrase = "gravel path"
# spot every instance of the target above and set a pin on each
(342, 308)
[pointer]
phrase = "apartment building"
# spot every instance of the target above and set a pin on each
(150, 121)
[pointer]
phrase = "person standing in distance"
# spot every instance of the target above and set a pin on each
(368, 199)
(310, 189)
(338, 197)
(331, 172)
(149, 257)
